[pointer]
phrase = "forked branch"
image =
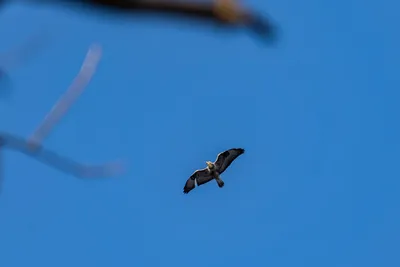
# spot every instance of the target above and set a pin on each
(33, 146)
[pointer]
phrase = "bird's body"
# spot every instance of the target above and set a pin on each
(213, 170)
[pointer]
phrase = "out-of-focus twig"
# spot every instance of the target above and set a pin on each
(59, 162)
(73, 92)
(1, 166)
(33, 146)
(24, 52)
(18, 56)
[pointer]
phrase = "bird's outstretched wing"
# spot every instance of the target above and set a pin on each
(225, 158)
(59, 162)
(199, 177)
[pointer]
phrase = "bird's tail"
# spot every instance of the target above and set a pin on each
(220, 182)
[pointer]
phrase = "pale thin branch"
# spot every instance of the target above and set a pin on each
(32, 146)
(73, 92)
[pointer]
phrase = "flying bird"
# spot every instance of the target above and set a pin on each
(213, 170)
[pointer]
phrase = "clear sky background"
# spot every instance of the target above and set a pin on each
(317, 114)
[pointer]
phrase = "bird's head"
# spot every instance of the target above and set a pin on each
(210, 165)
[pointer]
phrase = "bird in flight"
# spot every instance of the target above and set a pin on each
(213, 170)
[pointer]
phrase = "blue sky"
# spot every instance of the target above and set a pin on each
(317, 115)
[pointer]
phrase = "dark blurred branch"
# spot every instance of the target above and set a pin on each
(226, 13)
(223, 12)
